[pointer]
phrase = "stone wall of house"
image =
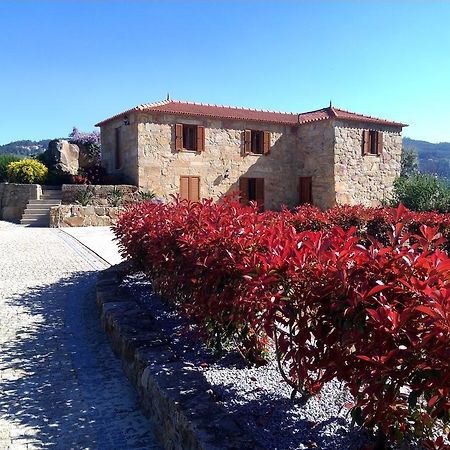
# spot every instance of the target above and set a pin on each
(221, 164)
(314, 157)
(365, 179)
(14, 198)
(127, 172)
(82, 216)
(328, 151)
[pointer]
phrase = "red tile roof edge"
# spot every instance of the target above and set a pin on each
(293, 119)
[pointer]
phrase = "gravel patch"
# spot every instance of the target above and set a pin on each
(257, 396)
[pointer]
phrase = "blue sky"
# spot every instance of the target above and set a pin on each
(67, 63)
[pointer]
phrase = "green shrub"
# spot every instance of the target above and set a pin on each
(146, 195)
(115, 197)
(84, 198)
(422, 192)
(27, 171)
(4, 161)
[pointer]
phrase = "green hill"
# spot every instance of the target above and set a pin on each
(433, 158)
(24, 148)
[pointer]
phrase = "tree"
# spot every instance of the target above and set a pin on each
(409, 162)
(422, 192)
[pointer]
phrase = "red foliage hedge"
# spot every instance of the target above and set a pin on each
(358, 294)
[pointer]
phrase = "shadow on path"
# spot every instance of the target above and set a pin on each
(60, 384)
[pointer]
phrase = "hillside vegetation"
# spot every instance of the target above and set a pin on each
(433, 158)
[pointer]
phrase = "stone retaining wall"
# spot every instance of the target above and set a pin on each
(101, 193)
(173, 394)
(14, 198)
(82, 216)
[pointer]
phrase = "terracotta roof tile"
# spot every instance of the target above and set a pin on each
(234, 113)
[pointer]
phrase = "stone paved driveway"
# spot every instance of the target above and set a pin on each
(60, 385)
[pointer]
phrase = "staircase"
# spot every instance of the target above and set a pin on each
(36, 213)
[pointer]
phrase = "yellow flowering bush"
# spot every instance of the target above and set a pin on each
(27, 171)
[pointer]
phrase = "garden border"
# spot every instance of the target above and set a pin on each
(174, 395)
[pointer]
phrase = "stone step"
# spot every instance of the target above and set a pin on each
(37, 222)
(33, 215)
(51, 188)
(58, 196)
(36, 209)
(45, 202)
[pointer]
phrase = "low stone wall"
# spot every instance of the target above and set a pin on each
(82, 216)
(101, 193)
(14, 198)
(173, 394)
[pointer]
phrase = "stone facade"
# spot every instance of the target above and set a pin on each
(328, 151)
(82, 216)
(365, 179)
(14, 199)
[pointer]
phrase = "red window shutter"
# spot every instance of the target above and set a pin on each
(366, 142)
(178, 137)
(194, 189)
(305, 190)
(200, 139)
(184, 188)
(266, 142)
(379, 143)
(243, 188)
(247, 142)
(260, 193)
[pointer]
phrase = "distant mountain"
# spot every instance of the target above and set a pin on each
(433, 158)
(24, 148)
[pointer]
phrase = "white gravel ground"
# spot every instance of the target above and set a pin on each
(257, 397)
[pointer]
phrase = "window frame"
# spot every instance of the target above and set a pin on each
(190, 133)
(258, 188)
(372, 143)
(189, 138)
(256, 142)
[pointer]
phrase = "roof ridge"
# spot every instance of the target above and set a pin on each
(239, 108)
(151, 105)
(362, 115)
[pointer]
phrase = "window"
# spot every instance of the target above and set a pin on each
(372, 142)
(256, 142)
(117, 149)
(190, 188)
(189, 137)
(305, 190)
(252, 189)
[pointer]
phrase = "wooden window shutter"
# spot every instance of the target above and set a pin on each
(178, 137)
(266, 142)
(117, 149)
(366, 142)
(379, 142)
(305, 190)
(194, 189)
(260, 193)
(184, 188)
(247, 142)
(200, 139)
(243, 188)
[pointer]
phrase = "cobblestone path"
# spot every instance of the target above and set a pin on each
(60, 384)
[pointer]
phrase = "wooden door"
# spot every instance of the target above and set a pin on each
(305, 190)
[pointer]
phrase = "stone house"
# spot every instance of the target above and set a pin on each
(320, 157)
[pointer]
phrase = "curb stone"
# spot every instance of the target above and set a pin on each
(174, 395)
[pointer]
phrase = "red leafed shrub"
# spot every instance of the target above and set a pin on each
(358, 294)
